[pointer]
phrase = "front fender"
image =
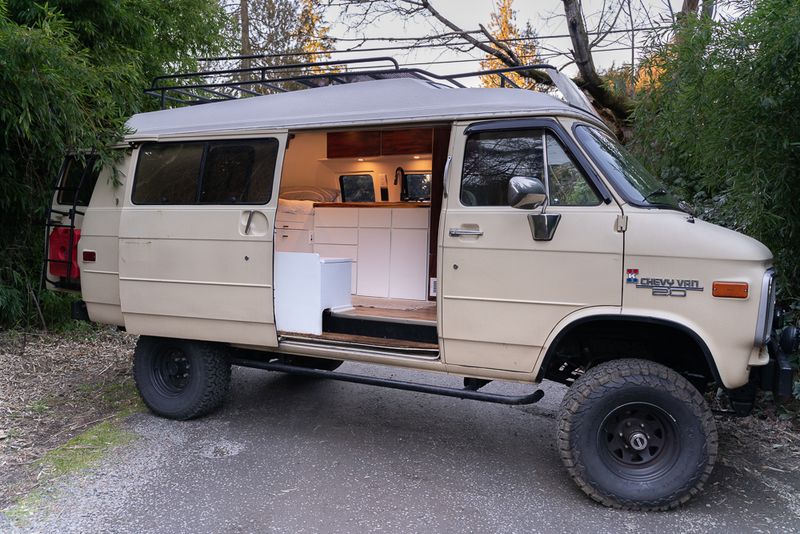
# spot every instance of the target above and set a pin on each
(732, 373)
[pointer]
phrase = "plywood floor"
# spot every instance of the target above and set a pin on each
(406, 311)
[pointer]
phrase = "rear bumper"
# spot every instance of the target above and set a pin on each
(79, 311)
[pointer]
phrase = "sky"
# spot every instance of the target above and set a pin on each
(546, 17)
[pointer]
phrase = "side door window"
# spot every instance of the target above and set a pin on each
(215, 172)
(492, 158)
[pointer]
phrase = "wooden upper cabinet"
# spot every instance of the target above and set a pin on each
(354, 144)
(368, 143)
(410, 141)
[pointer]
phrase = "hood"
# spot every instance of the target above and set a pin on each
(670, 233)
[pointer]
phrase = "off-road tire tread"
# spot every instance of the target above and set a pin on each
(613, 375)
(215, 386)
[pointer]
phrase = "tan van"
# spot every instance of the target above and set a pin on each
(395, 217)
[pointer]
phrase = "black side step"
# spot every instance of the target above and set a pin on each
(394, 384)
(360, 326)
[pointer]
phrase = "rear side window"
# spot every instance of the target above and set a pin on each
(416, 187)
(214, 172)
(78, 180)
(357, 188)
(491, 159)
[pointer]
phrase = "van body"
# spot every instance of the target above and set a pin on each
(494, 234)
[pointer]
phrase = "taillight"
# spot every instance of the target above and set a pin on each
(64, 258)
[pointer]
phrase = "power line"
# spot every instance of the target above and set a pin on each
(412, 47)
(548, 55)
(408, 48)
(515, 39)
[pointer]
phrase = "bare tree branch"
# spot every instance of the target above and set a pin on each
(581, 52)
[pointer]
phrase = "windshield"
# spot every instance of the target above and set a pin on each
(626, 173)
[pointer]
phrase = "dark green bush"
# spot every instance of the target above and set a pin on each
(71, 72)
(722, 125)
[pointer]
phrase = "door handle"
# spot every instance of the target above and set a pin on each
(249, 222)
(455, 232)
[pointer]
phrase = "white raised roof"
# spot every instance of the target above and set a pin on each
(363, 103)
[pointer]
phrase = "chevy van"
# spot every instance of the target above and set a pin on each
(392, 216)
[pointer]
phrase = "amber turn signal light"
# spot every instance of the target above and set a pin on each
(731, 290)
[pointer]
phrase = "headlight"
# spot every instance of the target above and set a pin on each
(766, 308)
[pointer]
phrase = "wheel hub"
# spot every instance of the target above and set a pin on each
(170, 372)
(638, 440)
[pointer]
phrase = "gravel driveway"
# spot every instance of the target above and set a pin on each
(289, 454)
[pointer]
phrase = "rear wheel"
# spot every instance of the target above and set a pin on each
(180, 379)
(635, 434)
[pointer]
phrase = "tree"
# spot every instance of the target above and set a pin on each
(720, 125)
(503, 28)
(363, 12)
(313, 30)
(282, 32)
(71, 72)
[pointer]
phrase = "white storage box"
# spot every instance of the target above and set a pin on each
(306, 285)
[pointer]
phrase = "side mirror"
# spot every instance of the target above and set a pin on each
(526, 193)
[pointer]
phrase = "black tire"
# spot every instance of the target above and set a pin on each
(308, 362)
(180, 379)
(636, 435)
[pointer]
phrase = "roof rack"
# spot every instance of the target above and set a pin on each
(215, 85)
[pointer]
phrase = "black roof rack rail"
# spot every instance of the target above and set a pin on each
(215, 85)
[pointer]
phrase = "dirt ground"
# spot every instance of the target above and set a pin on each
(55, 386)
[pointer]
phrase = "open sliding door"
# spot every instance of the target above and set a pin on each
(195, 239)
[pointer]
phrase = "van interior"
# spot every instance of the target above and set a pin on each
(355, 237)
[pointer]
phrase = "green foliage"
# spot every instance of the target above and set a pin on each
(71, 72)
(721, 125)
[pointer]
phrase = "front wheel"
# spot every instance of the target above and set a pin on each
(180, 379)
(635, 434)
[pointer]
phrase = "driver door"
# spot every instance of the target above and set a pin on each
(502, 291)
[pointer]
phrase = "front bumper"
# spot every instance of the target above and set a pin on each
(778, 375)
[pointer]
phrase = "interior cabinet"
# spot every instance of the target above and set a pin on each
(373, 262)
(370, 143)
(408, 270)
(291, 240)
(389, 246)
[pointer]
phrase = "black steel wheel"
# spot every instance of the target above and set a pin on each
(639, 440)
(635, 434)
(180, 379)
(170, 371)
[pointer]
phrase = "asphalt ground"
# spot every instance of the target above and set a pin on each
(291, 454)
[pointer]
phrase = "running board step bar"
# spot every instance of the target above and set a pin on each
(534, 397)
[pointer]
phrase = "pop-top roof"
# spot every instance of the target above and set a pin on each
(363, 103)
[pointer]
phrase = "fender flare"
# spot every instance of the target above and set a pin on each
(567, 329)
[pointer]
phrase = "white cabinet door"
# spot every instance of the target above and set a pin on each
(374, 217)
(373, 262)
(336, 236)
(410, 217)
(408, 274)
(338, 217)
(292, 240)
